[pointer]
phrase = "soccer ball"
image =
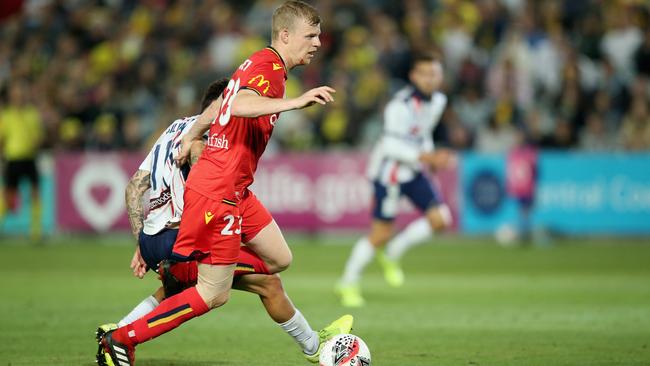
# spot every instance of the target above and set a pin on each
(506, 235)
(345, 350)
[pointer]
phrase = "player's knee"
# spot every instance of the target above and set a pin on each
(219, 300)
(214, 297)
(214, 283)
(441, 218)
(281, 263)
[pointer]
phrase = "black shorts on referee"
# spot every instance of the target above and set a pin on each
(16, 170)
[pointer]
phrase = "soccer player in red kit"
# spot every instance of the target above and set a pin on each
(217, 196)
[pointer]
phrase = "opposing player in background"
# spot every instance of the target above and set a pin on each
(157, 233)
(219, 210)
(21, 134)
(395, 168)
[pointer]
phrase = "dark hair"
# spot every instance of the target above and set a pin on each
(423, 56)
(213, 93)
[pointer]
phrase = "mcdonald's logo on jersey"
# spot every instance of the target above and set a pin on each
(261, 81)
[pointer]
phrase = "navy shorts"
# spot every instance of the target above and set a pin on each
(155, 248)
(418, 190)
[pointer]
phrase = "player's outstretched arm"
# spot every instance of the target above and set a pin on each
(250, 104)
(195, 133)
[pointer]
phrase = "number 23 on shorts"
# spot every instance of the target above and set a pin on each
(233, 225)
(229, 223)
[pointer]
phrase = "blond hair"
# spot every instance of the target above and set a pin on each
(287, 13)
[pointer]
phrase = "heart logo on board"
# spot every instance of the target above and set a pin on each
(98, 193)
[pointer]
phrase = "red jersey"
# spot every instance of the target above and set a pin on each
(235, 144)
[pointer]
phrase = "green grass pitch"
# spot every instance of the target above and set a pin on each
(465, 302)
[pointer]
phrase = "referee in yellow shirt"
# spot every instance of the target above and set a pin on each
(21, 133)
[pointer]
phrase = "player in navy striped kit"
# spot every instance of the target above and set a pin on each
(396, 169)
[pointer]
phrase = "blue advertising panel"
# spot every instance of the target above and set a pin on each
(484, 202)
(594, 193)
(577, 193)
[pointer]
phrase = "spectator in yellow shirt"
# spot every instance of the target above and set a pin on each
(21, 133)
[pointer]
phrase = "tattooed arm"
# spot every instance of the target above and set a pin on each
(136, 188)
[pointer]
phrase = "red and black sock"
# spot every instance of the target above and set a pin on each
(171, 313)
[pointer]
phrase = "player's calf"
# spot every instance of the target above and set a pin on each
(264, 285)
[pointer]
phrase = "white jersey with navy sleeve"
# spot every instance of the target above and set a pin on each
(167, 180)
(409, 121)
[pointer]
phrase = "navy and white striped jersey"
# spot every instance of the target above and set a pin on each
(166, 179)
(409, 121)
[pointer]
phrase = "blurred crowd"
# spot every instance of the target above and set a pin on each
(110, 74)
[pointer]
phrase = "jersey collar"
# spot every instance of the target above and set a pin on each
(281, 60)
(420, 95)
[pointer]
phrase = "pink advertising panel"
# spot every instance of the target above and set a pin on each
(303, 192)
(90, 190)
(329, 191)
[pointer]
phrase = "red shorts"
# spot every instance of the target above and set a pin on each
(211, 231)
